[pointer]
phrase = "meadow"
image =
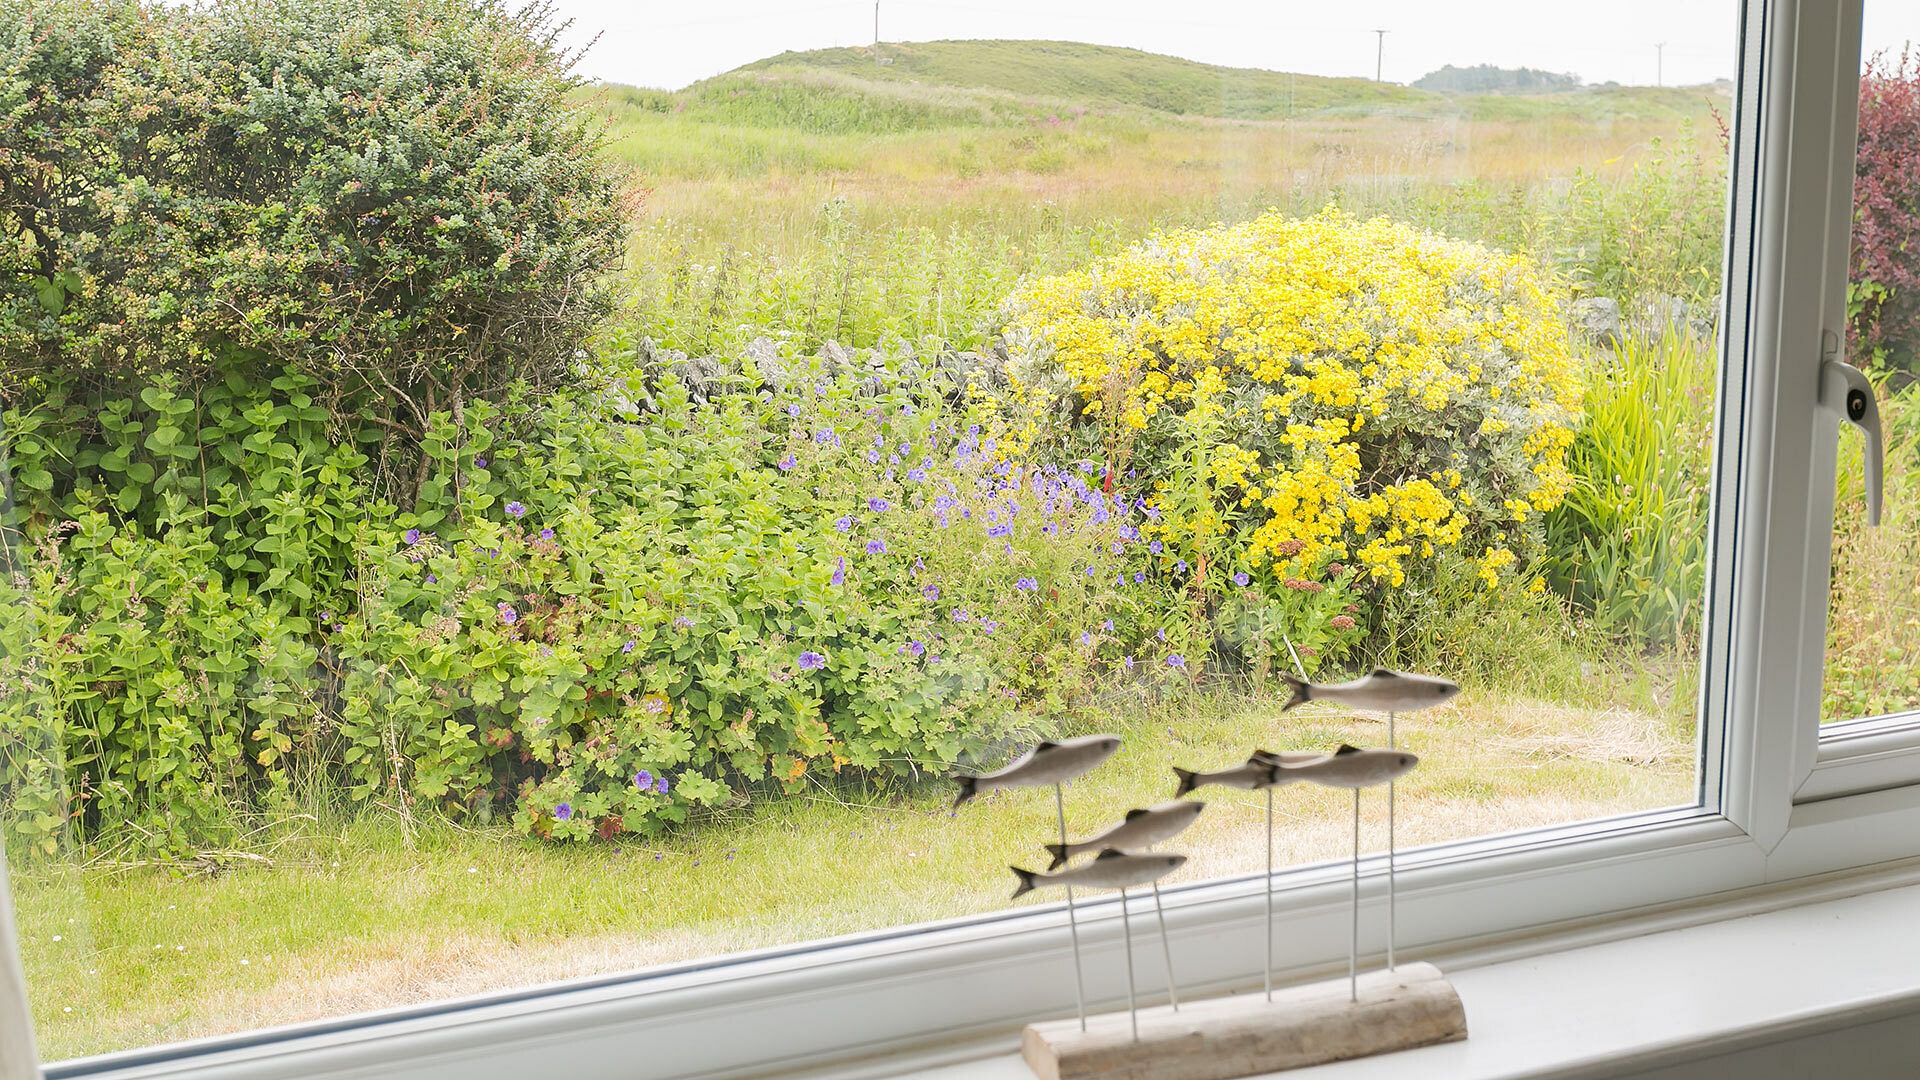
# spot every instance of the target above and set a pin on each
(853, 245)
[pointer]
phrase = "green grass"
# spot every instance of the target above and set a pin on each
(372, 913)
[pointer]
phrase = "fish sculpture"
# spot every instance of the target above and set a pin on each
(1141, 829)
(1380, 690)
(1046, 764)
(1109, 870)
(1258, 772)
(1347, 767)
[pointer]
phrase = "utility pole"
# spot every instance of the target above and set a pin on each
(1659, 64)
(1379, 54)
(876, 23)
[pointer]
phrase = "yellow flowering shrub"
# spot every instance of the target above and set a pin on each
(1383, 393)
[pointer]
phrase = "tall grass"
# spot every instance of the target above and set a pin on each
(1873, 621)
(1628, 546)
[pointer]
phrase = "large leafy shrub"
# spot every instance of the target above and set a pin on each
(1884, 294)
(604, 613)
(394, 197)
(1354, 393)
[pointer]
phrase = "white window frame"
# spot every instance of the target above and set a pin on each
(1776, 801)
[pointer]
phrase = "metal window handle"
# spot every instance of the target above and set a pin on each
(1847, 393)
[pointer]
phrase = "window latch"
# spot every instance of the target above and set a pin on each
(1845, 392)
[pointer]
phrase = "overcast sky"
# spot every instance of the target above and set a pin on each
(670, 44)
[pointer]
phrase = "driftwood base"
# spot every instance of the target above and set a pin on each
(1246, 1035)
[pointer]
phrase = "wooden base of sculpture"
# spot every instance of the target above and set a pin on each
(1245, 1035)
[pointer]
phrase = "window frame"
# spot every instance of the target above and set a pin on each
(1776, 800)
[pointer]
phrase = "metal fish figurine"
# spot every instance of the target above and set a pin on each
(1049, 763)
(1348, 767)
(1109, 870)
(1140, 830)
(1257, 773)
(1380, 690)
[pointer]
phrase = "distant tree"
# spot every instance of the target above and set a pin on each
(1487, 79)
(1884, 291)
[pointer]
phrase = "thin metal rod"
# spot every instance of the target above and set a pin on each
(1126, 929)
(1073, 925)
(1268, 966)
(1353, 946)
(1393, 743)
(1166, 950)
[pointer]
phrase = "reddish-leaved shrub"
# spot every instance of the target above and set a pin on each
(1884, 290)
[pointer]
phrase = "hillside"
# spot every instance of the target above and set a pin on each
(944, 85)
(1090, 76)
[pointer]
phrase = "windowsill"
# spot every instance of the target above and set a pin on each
(1653, 1000)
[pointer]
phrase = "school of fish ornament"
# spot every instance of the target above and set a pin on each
(1124, 853)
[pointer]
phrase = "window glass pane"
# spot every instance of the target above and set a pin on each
(1873, 627)
(444, 556)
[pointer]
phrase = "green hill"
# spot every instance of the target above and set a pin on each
(1098, 76)
(936, 85)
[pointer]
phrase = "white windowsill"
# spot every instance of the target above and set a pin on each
(1654, 1000)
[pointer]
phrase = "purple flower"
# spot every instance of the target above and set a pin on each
(1090, 571)
(628, 647)
(812, 661)
(1160, 634)
(793, 410)
(1156, 547)
(507, 614)
(845, 524)
(1241, 579)
(1000, 530)
(840, 571)
(1178, 661)
(546, 534)
(643, 779)
(878, 505)
(1086, 637)
(1139, 576)
(989, 625)
(479, 463)
(1127, 662)
(916, 475)
(788, 462)
(1128, 532)
(1027, 584)
(931, 592)
(660, 785)
(683, 622)
(959, 614)
(563, 811)
(876, 547)
(517, 508)
(412, 537)
(433, 579)
(1107, 626)
(1180, 566)
(917, 648)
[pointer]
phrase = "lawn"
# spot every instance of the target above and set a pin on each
(380, 912)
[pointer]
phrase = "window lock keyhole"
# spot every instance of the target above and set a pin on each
(1856, 405)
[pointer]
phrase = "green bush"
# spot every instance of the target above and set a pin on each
(394, 197)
